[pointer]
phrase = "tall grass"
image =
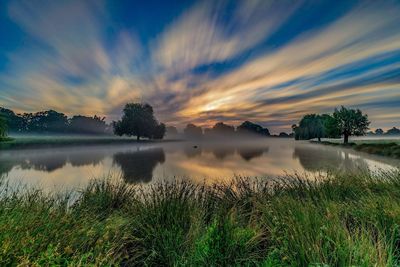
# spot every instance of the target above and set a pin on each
(334, 220)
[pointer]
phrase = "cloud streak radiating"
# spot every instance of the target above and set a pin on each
(266, 61)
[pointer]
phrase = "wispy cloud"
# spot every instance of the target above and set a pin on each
(70, 63)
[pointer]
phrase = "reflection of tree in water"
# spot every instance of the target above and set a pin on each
(49, 162)
(83, 158)
(223, 151)
(248, 153)
(6, 166)
(138, 166)
(192, 151)
(315, 158)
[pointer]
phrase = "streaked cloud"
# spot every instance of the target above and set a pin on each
(217, 60)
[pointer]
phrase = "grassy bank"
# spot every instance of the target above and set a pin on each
(339, 220)
(382, 148)
(5, 139)
(60, 141)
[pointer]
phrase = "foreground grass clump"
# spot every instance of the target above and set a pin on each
(337, 220)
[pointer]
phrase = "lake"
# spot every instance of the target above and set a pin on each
(73, 167)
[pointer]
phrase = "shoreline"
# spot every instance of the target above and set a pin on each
(20, 143)
(385, 148)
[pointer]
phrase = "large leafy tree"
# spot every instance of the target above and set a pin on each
(331, 128)
(311, 126)
(138, 120)
(350, 122)
(316, 126)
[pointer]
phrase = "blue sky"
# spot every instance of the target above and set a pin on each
(203, 61)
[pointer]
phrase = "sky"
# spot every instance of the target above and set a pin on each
(269, 62)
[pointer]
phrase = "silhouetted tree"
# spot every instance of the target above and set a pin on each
(350, 122)
(138, 120)
(393, 131)
(3, 127)
(14, 122)
(221, 128)
(46, 122)
(379, 131)
(252, 128)
(171, 131)
(87, 125)
(159, 131)
(193, 131)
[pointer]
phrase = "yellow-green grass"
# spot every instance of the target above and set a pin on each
(334, 220)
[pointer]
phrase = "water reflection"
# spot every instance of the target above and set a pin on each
(138, 166)
(49, 161)
(316, 158)
(200, 161)
(221, 152)
(249, 153)
(192, 151)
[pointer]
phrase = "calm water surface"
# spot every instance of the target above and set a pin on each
(73, 167)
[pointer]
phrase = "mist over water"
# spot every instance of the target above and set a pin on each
(201, 161)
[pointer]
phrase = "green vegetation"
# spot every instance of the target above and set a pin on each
(343, 121)
(383, 148)
(337, 220)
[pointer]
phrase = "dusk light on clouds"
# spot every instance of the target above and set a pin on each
(269, 62)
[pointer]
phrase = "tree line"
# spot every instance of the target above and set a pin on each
(138, 120)
(222, 129)
(379, 131)
(50, 122)
(343, 122)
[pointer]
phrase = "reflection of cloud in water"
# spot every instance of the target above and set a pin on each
(137, 166)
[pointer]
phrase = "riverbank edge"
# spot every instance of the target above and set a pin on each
(54, 142)
(386, 149)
